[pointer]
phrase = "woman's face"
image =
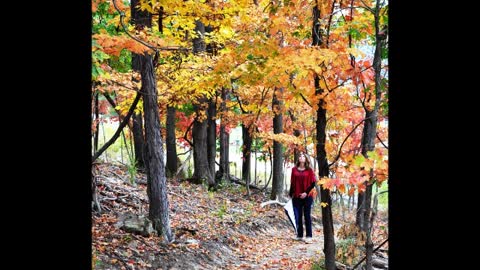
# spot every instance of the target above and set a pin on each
(301, 158)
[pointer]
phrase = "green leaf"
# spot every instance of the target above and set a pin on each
(373, 155)
(354, 33)
(359, 160)
(100, 56)
(384, 53)
(94, 72)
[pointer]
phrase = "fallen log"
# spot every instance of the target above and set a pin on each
(239, 181)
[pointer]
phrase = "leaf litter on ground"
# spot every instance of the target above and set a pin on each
(213, 230)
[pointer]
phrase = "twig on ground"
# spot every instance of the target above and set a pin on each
(145, 242)
(119, 257)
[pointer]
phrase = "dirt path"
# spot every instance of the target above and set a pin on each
(298, 252)
(277, 248)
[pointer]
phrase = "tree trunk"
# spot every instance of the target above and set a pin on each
(154, 159)
(171, 143)
(270, 157)
(255, 168)
(323, 170)
(369, 135)
(95, 135)
(96, 203)
(138, 140)
(224, 142)
(139, 19)
(153, 156)
(360, 211)
(199, 133)
(277, 182)
(266, 180)
(296, 133)
(200, 124)
(246, 154)
(198, 42)
(368, 226)
(160, 20)
(212, 135)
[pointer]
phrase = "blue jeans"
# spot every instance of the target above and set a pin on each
(303, 207)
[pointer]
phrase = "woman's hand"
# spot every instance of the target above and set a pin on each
(303, 195)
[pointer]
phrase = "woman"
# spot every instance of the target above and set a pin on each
(302, 182)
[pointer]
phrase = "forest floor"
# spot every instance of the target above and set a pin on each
(213, 230)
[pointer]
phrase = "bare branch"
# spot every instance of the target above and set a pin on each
(119, 130)
(381, 142)
(112, 103)
(306, 101)
(184, 153)
(186, 132)
(238, 101)
(330, 21)
(263, 96)
(184, 164)
(301, 94)
(365, 6)
(379, 246)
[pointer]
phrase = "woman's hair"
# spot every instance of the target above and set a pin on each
(307, 160)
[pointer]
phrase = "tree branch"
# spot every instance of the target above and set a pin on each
(186, 132)
(382, 6)
(301, 94)
(381, 141)
(337, 86)
(156, 49)
(238, 101)
(344, 140)
(112, 103)
(341, 9)
(240, 182)
(356, 265)
(184, 153)
(183, 164)
(306, 101)
(326, 84)
(367, 7)
(359, 98)
(120, 128)
(330, 21)
(129, 88)
(264, 95)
